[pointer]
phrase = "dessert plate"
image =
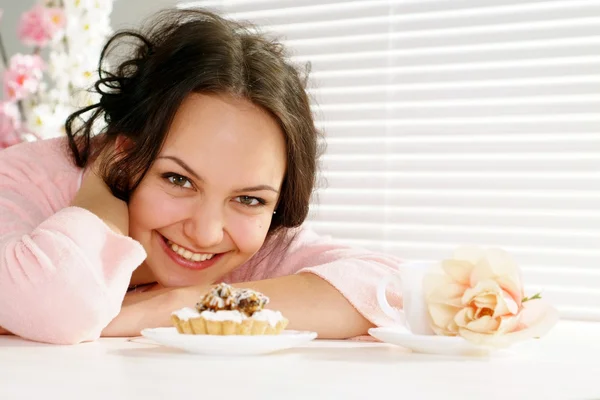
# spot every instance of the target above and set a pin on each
(431, 344)
(234, 345)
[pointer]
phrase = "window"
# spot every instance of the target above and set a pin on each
(457, 121)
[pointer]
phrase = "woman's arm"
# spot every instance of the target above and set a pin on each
(318, 284)
(63, 270)
(307, 301)
(310, 303)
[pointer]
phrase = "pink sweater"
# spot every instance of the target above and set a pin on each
(64, 273)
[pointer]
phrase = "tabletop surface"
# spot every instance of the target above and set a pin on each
(563, 365)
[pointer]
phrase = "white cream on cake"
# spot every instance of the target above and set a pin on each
(244, 294)
(216, 302)
(223, 315)
(187, 313)
(273, 317)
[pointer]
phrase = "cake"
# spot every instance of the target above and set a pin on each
(225, 310)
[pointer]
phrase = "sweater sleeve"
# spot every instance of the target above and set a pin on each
(63, 275)
(353, 271)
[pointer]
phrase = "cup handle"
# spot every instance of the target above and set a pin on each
(395, 314)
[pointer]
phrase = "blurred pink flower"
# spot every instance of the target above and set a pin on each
(39, 25)
(57, 18)
(10, 125)
(23, 76)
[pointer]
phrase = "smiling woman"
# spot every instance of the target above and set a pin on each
(202, 174)
(215, 199)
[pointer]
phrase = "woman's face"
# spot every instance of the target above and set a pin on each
(206, 204)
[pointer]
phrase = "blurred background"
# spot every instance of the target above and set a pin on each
(125, 14)
(447, 122)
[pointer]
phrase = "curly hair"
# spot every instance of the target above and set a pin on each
(188, 51)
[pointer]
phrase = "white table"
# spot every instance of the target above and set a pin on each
(559, 366)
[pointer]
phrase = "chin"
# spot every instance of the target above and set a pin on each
(175, 281)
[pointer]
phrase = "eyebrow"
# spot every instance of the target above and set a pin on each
(190, 171)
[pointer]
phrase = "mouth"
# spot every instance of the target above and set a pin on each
(187, 259)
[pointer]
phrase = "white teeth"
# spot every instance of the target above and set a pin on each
(188, 255)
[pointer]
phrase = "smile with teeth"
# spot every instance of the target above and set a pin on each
(188, 255)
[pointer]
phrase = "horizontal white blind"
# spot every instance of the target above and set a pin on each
(457, 121)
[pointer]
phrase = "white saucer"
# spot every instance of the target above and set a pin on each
(234, 345)
(431, 344)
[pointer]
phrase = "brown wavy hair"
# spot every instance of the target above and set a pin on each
(187, 51)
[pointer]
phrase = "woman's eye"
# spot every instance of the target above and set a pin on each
(179, 181)
(249, 201)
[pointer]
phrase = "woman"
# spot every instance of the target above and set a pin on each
(202, 174)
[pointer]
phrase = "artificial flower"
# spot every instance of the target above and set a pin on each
(10, 124)
(39, 25)
(23, 76)
(478, 294)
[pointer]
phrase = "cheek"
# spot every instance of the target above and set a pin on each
(150, 209)
(248, 233)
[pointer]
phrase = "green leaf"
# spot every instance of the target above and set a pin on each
(535, 296)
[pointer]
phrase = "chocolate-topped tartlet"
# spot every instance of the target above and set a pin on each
(225, 310)
(219, 298)
(249, 301)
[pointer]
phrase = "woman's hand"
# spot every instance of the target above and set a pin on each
(151, 309)
(95, 196)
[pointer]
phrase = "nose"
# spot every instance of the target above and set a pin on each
(205, 226)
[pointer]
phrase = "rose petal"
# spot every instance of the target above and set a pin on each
(542, 318)
(499, 266)
(506, 305)
(445, 292)
(487, 300)
(452, 327)
(434, 280)
(471, 254)
(484, 339)
(536, 312)
(463, 317)
(514, 288)
(502, 263)
(481, 288)
(443, 332)
(509, 323)
(485, 324)
(458, 270)
(441, 314)
(482, 272)
(507, 272)
(453, 301)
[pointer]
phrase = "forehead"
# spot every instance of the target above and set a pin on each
(227, 140)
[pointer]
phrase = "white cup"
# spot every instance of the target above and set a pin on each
(409, 279)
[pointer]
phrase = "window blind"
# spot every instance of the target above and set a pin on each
(454, 122)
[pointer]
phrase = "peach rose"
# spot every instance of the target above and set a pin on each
(478, 294)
